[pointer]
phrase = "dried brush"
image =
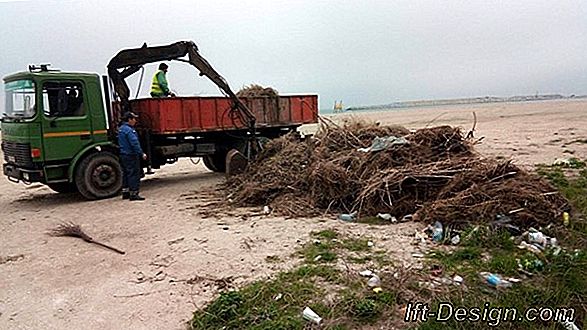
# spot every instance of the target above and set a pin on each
(73, 230)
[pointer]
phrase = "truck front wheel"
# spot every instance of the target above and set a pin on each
(99, 176)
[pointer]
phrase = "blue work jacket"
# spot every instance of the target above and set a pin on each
(128, 140)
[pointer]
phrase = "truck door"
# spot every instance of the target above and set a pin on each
(66, 124)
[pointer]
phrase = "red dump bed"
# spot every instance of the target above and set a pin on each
(204, 114)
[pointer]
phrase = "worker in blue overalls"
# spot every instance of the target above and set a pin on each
(130, 157)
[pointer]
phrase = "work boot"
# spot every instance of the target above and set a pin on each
(125, 194)
(134, 196)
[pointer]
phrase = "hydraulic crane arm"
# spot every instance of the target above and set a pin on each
(129, 61)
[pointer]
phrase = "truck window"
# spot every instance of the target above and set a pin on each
(63, 99)
(20, 99)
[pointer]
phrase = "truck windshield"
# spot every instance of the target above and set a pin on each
(20, 99)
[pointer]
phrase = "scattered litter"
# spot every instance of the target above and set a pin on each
(317, 242)
(377, 290)
(420, 238)
(530, 247)
(495, 280)
(175, 241)
(455, 240)
(266, 209)
(370, 244)
(311, 316)
(317, 258)
(504, 221)
(348, 217)
(458, 279)
(537, 237)
(278, 296)
(374, 281)
(417, 255)
(437, 231)
(387, 217)
(569, 325)
(562, 162)
(408, 217)
(427, 285)
(444, 280)
(384, 143)
(366, 273)
(566, 218)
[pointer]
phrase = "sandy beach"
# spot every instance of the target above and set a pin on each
(178, 249)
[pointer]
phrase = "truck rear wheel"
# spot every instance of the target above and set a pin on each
(216, 162)
(63, 187)
(99, 176)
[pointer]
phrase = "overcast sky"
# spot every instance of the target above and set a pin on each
(361, 52)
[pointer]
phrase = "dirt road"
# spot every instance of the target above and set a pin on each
(180, 250)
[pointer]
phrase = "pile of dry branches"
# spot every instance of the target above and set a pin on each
(257, 91)
(435, 176)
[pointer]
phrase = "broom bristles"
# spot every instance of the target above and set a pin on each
(70, 229)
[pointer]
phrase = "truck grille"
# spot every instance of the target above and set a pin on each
(17, 153)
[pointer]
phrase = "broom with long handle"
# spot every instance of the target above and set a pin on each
(72, 230)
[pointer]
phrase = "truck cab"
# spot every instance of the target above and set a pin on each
(51, 124)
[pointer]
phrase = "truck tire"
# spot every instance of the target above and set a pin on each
(209, 164)
(63, 187)
(99, 176)
(216, 162)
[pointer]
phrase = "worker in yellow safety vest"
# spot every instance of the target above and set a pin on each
(159, 86)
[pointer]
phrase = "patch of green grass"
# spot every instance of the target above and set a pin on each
(341, 298)
(356, 244)
(271, 304)
(504, 263)
(575, 190)
(322, 249)
(360, 259)
(485, 237)
(558, 281)
(451, 260)
(327, 233)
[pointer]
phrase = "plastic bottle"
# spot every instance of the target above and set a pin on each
(569, 325)
(537, 237)
(374, 281)
(348, 217)
(437, 232)
(566, 218)
(495, 280)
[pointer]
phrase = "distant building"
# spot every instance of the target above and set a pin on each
(338, 106)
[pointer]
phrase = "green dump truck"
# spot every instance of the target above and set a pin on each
(60, 128)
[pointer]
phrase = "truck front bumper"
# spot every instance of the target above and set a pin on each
(16, 174)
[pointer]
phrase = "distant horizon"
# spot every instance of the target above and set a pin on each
(512, 98)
